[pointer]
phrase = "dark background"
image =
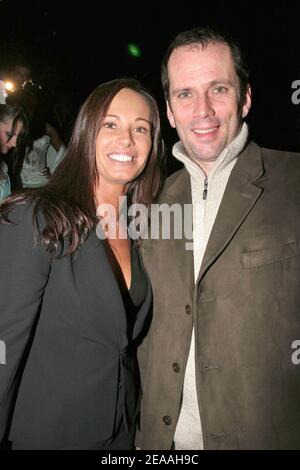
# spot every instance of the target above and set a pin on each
(72, 47)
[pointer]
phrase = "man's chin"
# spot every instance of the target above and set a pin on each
(208, 157)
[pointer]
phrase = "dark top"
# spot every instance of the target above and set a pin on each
(138, 287)
(69, 317)
(133, 299)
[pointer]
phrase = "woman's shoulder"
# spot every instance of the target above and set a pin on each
(17, 211)
(21, 229)
(24, 214)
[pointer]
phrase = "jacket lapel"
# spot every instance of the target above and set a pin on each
(239, 198)
(98, 286)
(180, 194)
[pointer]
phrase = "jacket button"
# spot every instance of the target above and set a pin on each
(188, 309)
(219, 435)
(176, 367)
(167, 420)
(208, 367)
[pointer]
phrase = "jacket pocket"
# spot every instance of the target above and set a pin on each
(269, 255)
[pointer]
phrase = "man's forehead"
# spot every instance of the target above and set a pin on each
(194, 63)
(198, 48)
(188, 54)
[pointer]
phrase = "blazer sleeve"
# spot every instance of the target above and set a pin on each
(24, 271)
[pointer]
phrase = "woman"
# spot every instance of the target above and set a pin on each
(44, 149)
(73, 307)
(13, 125)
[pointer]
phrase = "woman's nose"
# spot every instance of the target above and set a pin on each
(12, 143)
(125, 137)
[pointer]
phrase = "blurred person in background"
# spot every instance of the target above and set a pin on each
(13, 127)
(44, 148)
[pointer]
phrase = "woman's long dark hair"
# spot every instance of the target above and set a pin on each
(67, 201)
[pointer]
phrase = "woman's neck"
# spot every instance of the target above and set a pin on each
(107, 194)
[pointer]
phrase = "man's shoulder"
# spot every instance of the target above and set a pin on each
(256, 158)
(283, 162)
(272, 153)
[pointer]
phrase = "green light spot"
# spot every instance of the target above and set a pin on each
(134, 50)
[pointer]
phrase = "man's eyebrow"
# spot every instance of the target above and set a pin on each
(218, 82)
(181, 89)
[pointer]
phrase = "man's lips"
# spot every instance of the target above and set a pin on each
(205, 132)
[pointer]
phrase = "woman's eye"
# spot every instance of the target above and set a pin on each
(109, 125)
(141, 130)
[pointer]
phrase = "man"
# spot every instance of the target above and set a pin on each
(217, 365)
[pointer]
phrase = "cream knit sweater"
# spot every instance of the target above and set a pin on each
(188, 434)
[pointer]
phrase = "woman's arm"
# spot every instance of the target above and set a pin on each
(56, 140)
(24, 271)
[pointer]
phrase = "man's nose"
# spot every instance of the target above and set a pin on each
(203, 107)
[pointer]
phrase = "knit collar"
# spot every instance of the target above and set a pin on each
(227, 156)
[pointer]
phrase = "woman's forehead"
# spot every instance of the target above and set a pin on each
(7, 124)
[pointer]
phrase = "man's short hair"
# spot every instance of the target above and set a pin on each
(203, 37)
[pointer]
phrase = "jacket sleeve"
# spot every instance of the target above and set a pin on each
(24, 271)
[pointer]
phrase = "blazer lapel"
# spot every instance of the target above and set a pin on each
(97, 281)
(97, 284)
(239, 198)
(180, 194)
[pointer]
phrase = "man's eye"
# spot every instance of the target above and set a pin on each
(184, 94)
(220, 90)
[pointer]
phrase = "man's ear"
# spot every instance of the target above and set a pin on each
(170, 115)
(248, 101)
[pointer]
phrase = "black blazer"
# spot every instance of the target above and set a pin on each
(66, 320)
